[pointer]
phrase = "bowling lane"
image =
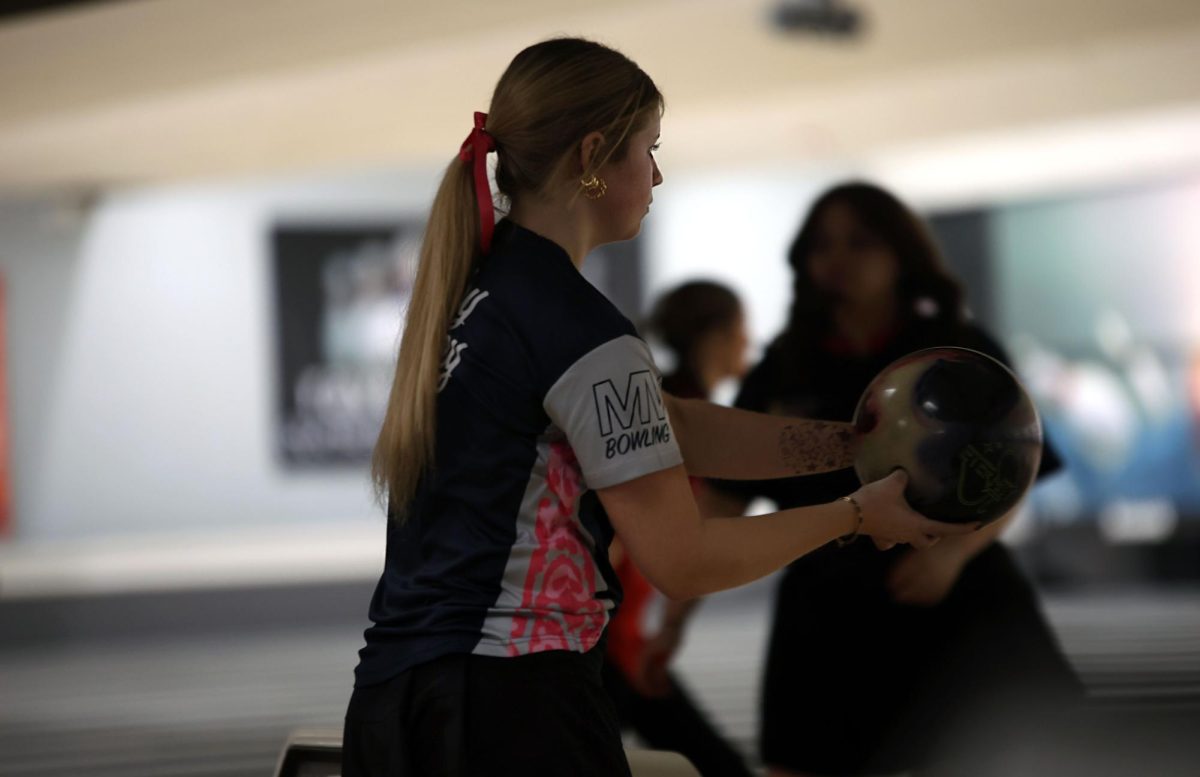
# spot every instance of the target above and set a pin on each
(207, 701)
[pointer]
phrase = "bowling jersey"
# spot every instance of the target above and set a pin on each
(546, 393)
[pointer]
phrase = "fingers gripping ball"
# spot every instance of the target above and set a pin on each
(960, 424)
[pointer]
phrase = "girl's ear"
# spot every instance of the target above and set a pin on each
(589, 152)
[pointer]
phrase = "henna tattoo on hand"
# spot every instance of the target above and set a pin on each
(816, 446)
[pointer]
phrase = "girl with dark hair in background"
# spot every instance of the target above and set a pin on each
(703, 326)
(881, 660)
(526, 423)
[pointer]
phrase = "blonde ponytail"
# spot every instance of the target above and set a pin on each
(449, 252)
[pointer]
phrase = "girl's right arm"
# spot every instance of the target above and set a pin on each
(685, 555)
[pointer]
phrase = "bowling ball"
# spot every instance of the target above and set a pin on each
(962, 427)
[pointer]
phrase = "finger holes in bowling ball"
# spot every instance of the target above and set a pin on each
(966, 390)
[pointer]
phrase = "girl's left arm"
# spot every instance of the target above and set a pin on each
(723, 442)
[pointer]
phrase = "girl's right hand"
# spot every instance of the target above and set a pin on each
(888, 519)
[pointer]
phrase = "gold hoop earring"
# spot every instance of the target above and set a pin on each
(593, 187)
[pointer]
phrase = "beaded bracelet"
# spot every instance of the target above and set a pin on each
(846, 539)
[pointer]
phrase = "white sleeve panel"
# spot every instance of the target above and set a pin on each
(609, 404)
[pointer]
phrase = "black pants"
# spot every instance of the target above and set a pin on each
(674, 722)
(544, 714)
(858, 684)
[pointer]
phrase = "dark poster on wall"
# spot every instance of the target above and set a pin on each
(965, 238)
(340, 294)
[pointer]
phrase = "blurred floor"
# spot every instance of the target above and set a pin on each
(176, 692)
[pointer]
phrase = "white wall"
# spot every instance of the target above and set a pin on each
(140, 353)
(734, 227)
(39, 259)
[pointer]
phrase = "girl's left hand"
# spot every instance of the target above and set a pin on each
(925, 577)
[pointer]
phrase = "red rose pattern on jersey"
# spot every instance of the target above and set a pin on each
(559, 607)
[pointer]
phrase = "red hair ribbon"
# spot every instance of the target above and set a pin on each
(475, 148)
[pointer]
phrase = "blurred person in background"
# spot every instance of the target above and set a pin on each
(526, 426)
(878, 657)
(703, 326)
